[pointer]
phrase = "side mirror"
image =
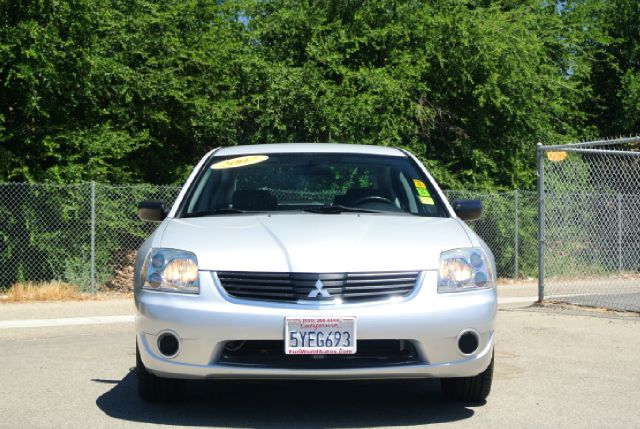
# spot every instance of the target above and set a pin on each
(468, 209)
(152, 211)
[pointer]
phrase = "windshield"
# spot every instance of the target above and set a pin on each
(312, 182)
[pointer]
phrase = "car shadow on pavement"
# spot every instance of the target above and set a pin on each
(308, 404)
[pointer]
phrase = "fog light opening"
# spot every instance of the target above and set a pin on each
(168, 344)
(468, 342)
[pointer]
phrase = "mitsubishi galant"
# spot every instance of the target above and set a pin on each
(313, 261)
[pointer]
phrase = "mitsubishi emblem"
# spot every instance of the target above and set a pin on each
(319, 290)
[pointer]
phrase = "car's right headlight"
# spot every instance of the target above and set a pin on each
(171, 270)
(464, 269)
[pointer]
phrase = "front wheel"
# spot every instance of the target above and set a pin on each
(152, 388)
(469, 389)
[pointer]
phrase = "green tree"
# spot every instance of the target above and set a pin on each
(125, 91)
(615, 79)
(46, 95)
(470, 86)
(116, 91)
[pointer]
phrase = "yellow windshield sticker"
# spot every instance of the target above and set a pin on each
(239, 162)
(426, 200)
(556, 156)
(419, 184)
(423, 192)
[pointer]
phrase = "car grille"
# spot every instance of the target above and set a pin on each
(295, 287)
(270, 354)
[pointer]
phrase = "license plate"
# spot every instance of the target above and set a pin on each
(320, 335)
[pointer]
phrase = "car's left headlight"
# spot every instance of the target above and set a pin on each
(464, 269)
(171, 270)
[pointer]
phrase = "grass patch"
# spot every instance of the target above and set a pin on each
(44, 291)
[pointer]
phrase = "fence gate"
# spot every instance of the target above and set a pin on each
(589, 223)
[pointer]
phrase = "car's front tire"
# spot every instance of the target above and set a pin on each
(469, 389)
(152, 388)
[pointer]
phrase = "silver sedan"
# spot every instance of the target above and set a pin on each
(317, 261)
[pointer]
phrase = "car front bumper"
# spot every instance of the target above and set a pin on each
(205, 322)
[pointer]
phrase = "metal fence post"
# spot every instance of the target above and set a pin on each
(620, 232)
(93, 238)
(540, 160)
(515, 197)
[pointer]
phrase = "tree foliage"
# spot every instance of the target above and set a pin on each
(615, 79)
(136, 91)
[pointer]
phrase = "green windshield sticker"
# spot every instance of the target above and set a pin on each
(423, 193)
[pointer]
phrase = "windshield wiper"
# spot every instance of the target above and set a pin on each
(338, 208)
(218, 211)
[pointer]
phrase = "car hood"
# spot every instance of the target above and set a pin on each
(346, 242)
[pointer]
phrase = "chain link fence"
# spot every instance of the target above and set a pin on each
(509, 226)
(87, 234)
(590, 223)
(83, 234)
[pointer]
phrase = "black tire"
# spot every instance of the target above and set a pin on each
(152, 388)
(469, 389)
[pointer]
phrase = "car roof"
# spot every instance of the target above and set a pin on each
(309, 148)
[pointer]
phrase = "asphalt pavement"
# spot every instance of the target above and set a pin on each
(554, 368)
